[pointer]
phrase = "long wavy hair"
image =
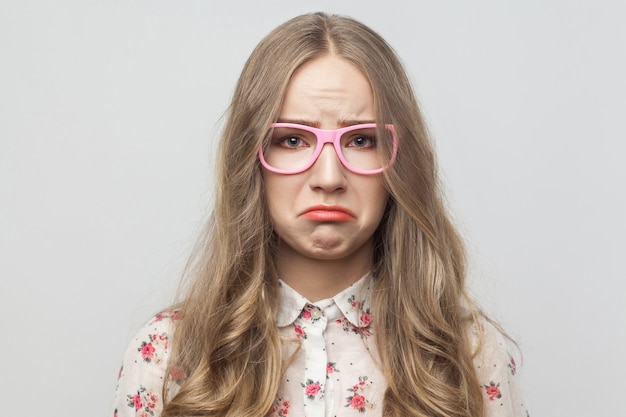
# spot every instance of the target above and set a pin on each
(227, 342)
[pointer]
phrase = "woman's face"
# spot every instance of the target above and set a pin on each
(326, 212)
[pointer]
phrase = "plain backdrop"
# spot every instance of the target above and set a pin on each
(110, 111)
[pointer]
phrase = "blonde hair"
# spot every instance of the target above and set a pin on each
(227, 335)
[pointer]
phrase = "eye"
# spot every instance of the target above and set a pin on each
(292, 141)
(362, 141)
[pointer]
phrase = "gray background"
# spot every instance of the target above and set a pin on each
(109, 111)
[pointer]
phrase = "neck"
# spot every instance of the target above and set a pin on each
(317, 279)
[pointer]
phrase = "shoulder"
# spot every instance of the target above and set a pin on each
(497, 370)
(491, 347)
(151, 343)
(144, 367)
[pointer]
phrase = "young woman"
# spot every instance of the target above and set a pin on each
(330, 280)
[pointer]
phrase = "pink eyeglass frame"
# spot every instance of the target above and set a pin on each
(333, 136)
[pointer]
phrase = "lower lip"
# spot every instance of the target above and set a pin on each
(328, 216)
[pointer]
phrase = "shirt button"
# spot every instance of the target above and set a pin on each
(316, 314)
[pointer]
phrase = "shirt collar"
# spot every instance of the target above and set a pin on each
(352, 301)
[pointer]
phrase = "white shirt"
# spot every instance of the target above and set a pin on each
(336, 371)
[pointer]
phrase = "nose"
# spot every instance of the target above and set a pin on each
(328, 173)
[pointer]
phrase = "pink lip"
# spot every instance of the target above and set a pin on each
(322, 213)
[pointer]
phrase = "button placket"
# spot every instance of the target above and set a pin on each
(315, 363)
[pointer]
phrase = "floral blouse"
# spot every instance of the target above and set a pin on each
(334, 373)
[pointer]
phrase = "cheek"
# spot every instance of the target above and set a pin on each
(280, 192)
(375, 196)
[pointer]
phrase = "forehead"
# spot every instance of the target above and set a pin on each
(326, 91)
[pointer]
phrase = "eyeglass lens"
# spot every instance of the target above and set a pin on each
(291, 148)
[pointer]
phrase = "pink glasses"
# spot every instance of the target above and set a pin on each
(294, 148)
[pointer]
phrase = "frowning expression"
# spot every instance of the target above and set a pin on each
(326, 212)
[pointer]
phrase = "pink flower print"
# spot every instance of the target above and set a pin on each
(311, 388)
(280, 408)
(170, 314)
(153, 349)
(347, 326)
(144, 400)
(330, 368)
(493, 390)
(356, 305)
(365, 319)
(177, 374)
(512, 365)
(358, 403)
(310, 312)
(147, 351)
(357, 400)
(160, 339)
(284, 408)
(136, 401)
(351, 328)
(365, 322)
(300, 334)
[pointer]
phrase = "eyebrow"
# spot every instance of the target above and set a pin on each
(316, 124)
(300, 122)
